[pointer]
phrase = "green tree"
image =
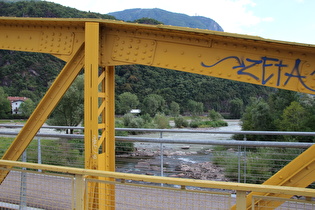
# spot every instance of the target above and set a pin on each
(153, 104)
(236, 108)
(27, 107)
(293, 118)
(257, 116)
(126, 102)
(69, 111)
(214, 116)
(195, 108)
(279, 100)
(5, 105)
(174, 109)
(149, 21)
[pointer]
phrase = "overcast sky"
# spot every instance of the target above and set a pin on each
(287, 20)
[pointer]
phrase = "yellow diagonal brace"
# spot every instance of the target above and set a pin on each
(44, 108)
(300, 172)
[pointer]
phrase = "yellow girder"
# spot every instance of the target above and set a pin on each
(96, 43)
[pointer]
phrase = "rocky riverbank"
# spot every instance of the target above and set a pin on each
(148, 161)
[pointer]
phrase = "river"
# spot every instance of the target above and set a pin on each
(174, 154)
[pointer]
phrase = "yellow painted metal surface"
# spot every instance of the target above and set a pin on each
(108, 43)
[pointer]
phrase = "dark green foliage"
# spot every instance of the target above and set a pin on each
(180, 122)
(29, 74)
(174, 109)
(180, 87)
(5, 105)
(27, 108)
(69, 111)
(214, 116)
(122, 147)
(161, 121)
(126, 102)
(45, 9)
(153, 104)
(149, 21)
(236, 108)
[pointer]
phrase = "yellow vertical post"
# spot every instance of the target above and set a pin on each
(240, 200)
(110, 132)
(91, 106)
(107, 137)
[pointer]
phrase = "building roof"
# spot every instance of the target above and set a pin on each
(16, 98)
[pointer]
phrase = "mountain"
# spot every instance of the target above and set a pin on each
(168, 18)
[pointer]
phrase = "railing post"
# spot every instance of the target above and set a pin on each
(39, 152)
(240, 200)
(79, 192)
(239, 164)
(161, 155)
(245, 160)
(23, 190)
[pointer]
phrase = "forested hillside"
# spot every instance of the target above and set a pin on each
(29, 74)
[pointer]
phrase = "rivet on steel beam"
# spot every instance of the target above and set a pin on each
(280, 177)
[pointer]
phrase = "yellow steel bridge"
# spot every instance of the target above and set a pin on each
(99, 45)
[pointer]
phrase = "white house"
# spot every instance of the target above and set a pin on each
(16, 103)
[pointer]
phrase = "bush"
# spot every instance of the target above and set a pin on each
(180, 122)
(122, 147)
(161, 121)
(195, 123)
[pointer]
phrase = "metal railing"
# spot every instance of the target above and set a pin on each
(247, 168)
(66, 188)
(193, 193)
